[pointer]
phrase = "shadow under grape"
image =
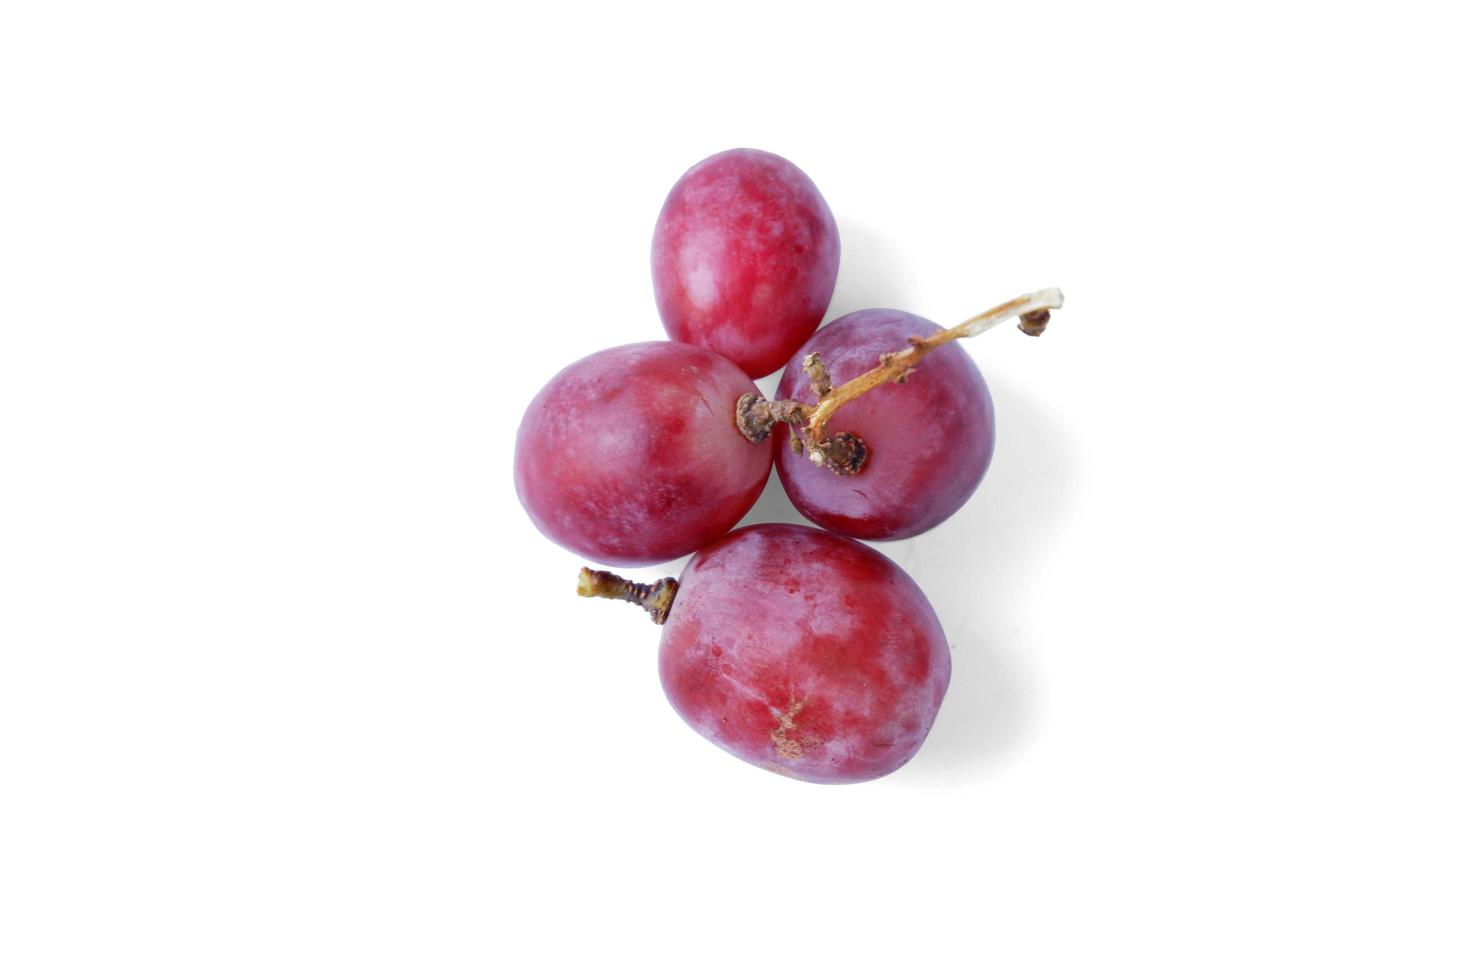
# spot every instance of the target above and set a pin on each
(774, 507)
(872, 273)
(977, 569)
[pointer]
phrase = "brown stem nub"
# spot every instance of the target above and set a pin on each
(821, 381)
(1033, 323)
(845, 453)
(755, 417)
(655, 598)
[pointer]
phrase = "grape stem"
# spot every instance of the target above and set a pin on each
(655, 598)
(845, 453)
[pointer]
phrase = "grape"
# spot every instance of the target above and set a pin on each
(797, 650)
(744, 258)
(929, 440)
(631, 456)
(933, 438)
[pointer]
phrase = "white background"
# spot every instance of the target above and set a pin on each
(289, 686)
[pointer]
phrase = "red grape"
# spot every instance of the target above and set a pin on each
(929, 440)
(631, 456)
(797, 650)
(744, 258)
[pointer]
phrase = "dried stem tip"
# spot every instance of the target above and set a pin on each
(656, 598)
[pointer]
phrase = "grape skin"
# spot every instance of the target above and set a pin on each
(745, 255)
(631, 456)
(805, 653)
(930, 439)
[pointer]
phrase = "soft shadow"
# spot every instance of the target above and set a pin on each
(774, 507)
(976, 568)
(872, 272)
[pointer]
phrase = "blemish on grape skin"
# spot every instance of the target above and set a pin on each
(787, 746)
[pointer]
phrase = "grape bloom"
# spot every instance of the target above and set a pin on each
(631, 456)
(745, 258)
(797, 650)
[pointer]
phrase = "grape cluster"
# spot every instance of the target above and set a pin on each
(796, 649)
